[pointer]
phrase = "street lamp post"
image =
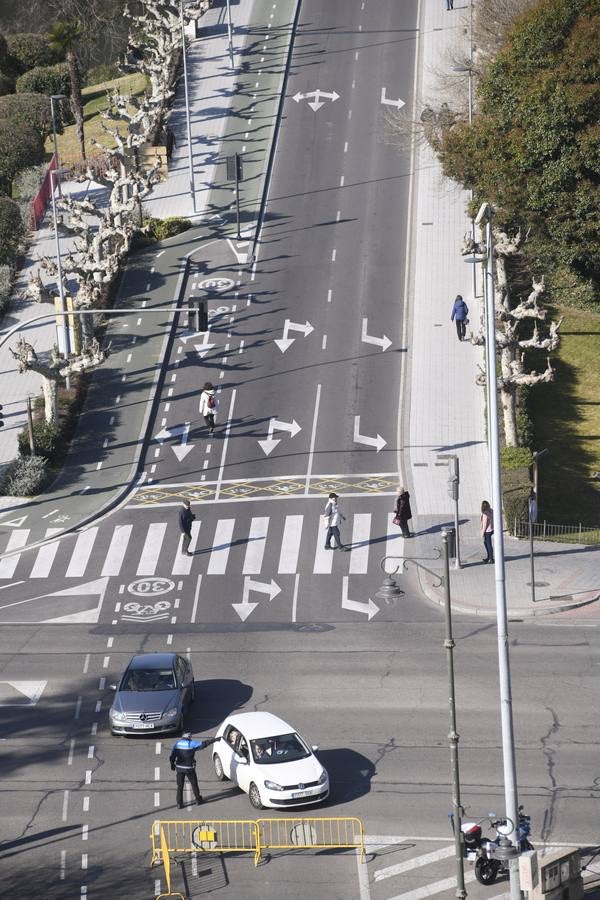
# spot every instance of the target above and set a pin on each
(187, 109)
(63, 331)
(390, 589)
(53, 99)
(506, 714)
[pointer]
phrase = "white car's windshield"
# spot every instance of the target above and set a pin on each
(148, 680)
(284, 748)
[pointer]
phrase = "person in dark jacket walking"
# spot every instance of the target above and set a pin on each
(183, 762)
(403, 512)
(460, 315)
(186, 517)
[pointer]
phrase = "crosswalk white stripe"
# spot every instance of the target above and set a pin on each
(117, 550)
(17, 539)
(221, 547)
(436, 887)
(255, 548)
(81, 553)
(415, 863)
(151, 549)
(323, 558)
(290, 545)
(45, 556)
(359, 555)
(394, 545)
(182, 565)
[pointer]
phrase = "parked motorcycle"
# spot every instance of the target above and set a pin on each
(482, 851)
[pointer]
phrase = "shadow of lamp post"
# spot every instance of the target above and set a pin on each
(388, 592)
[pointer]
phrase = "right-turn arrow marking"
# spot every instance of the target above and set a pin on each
(377, 442)
(367, 608)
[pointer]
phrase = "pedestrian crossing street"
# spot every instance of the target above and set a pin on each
(248, 545)
(405, 868)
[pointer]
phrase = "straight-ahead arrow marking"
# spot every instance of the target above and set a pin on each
(285, 342)
(269, 443)
(204, 347)
(383, 342)
(181, 450)
(397, 103)
(368, 608)
(378, 442)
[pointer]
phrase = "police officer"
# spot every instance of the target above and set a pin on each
(183, 761)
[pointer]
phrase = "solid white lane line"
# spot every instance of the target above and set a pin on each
(78, 707)
(117, 550)
(63, 864)
(17, 539)
(436, 887)
(45, 556)
(295, 598)
(363, 877)
(415, 863)
(359, 555)
(221, 547)
(290, 545)
(313, 438)
(225, 444)
(81, 553)
(255, 548)
(195, 606)
(182, 565)
(86, 804)
(86, 663)
(151, 549)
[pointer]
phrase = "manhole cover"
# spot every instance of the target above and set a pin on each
(303, 835)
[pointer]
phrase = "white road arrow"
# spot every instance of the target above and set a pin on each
(244, 608)
(368, 608)
(285, 342)
(316, 103)
(269, 444)
(397, 103)
(383, 342)
(85, 616)
(378, 442)
(180, 450)
(204, 347)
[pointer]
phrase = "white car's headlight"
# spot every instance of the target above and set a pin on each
(117, 716)
(323, 778)
(273, 786)
(171, 713)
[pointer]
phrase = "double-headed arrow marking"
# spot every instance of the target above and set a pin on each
(397, 103)
(269, 444)
(383, 342)
(244, 608)
(316, 104)
(285, 342)
(378, 442)
(180, 450)
(368, 608)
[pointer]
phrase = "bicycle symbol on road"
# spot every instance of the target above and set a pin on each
(148, 612)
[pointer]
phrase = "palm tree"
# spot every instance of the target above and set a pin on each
(64, 37)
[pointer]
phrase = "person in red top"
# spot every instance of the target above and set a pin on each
(487, 530)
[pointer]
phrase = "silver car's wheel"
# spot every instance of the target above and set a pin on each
(221, 776)
(254, 797)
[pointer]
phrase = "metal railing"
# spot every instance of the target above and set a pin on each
(251, 836)
(547, 531)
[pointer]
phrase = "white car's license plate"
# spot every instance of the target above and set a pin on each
(145, 725)
(299, 794)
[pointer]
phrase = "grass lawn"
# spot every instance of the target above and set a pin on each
(566, 417)
(95, 102)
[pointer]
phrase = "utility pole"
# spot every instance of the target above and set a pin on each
(506, 710)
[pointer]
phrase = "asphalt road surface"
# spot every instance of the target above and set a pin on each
(306, 349)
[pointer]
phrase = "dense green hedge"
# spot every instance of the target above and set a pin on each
(19, 148)
(12, 230)
(45, 80)
(28, 109)
(27, 50)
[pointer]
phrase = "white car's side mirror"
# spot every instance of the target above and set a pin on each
(240, 759)
(314, 748)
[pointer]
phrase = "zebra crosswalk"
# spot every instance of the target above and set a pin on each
(234, 545)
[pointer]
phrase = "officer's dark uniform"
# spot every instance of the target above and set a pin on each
(183, 761)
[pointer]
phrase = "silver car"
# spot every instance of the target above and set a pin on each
(153, 695)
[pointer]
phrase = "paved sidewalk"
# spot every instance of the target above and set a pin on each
(447, 408)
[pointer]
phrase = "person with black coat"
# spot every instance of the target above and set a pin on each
(186, 517)
(403, 512)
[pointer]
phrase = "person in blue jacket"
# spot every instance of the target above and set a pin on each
(183, 762)
(460, 315)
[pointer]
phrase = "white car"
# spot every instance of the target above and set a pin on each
(268, 760)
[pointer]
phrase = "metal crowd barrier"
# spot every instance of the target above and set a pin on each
(251, 836)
